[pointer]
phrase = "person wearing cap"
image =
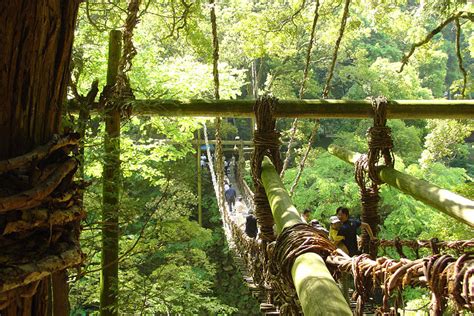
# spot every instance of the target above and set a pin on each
(335, 225)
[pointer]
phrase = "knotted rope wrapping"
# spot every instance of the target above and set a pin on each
(369, 197)
(380, 139)
(459, 246)
(40, 215)
(266, 142)
(380, 145)
(291, 243)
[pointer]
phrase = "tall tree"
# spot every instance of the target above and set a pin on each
(35, 53)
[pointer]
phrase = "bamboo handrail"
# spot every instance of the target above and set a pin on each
(318, 108)
(443, 200)
(317, 291)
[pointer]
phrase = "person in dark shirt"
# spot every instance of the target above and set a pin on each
(251, 225)
(349, 230)
(230, 195)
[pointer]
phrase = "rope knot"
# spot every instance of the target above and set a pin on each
(268, 139)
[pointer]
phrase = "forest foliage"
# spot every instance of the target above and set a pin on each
(169, 264)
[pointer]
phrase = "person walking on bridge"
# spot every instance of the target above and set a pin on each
(230, 195)
(251, 225)
(348, 230)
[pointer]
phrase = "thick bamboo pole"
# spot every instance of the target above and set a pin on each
(316, 289)
(443, 200)
(402, 109)
(111, 190)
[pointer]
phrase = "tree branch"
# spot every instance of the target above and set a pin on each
(429, 36)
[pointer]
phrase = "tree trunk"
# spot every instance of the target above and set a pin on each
(60, 292)
(35, 53)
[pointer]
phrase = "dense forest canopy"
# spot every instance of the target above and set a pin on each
(168, 263)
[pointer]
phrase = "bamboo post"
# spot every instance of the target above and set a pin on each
(199, 175)
(111, 190)
(443, 200)
(317, 291)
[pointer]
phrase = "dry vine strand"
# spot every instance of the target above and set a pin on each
(294, 125)
(215, 72)
(345, 15)
(458, 54)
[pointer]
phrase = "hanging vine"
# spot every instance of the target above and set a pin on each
(294, 126)
(314, 131)
(215, 72)
(129, 51)
(429, 36)
(345, 15)
(458, 54)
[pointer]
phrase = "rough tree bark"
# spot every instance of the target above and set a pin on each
(35, 50)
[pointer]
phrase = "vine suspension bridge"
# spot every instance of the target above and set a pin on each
(293, 270)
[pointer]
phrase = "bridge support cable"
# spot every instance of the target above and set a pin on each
(199, 176)
(452, 204)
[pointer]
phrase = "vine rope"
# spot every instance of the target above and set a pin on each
(266, 143)
(294, 125)
(345, 15)
(40, 214)
(380, 146)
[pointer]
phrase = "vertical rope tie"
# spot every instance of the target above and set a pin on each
(379, 140)
(266, 143)
(369, 197)
(366, 170)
